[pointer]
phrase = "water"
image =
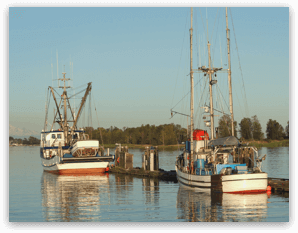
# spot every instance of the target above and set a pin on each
(36, 196)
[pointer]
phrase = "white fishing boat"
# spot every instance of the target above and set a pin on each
(218, 164)
(68, 149)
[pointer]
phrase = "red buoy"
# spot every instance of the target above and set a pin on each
(268, 188)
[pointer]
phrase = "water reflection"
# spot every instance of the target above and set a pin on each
(151, 189)
(72, 198)
(221, 207)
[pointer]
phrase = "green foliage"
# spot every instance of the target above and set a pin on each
(270, 143)
(287, 130)
(274, 130)
(168, 134)
(257, 133)
(251, 128)
(225, 126)
(30, 141)
(246, 128)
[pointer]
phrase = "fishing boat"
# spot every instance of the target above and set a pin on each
(68, 149)
(218, 164)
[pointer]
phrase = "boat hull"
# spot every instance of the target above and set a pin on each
(56, 165)
(236, 183)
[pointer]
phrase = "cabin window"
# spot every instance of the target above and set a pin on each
(59, 136)
(53, 136)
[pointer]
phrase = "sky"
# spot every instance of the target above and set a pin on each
(137, 59)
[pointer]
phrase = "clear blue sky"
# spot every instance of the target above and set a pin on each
(138, 61)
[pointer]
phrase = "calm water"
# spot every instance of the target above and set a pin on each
(35, 196)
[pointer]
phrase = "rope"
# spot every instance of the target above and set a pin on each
(179, 62)
(247, 111)
(98, 122)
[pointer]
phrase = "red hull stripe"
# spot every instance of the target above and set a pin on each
(249, 191)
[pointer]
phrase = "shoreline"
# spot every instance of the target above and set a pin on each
(258, 144)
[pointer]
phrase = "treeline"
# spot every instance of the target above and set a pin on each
(30, 141)
(250, 128)
(172, 134)
(168, 134)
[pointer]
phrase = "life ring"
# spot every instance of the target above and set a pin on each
(118, 160)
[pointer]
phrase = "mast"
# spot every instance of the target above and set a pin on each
(65, 125)
(229, 74)
(210, 90)
(192, 95)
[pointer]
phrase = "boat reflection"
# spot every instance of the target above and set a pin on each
(73, 198)
(220, 207)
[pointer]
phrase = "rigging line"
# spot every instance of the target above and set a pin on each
(90, 113)
(47, 109)
(214, 23)
(215, 37)
(224, 118)
(203, 92)
(223, 97)
(83, 85)
(220, 103)
(98, 121)
(239, 63)
(202, 20)
(179, 60)
(185, 95)
(77, 93)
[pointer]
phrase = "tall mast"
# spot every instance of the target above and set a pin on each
(229, 74)
(192, 95)
(65, 125)
(210, 90)
(210, 70)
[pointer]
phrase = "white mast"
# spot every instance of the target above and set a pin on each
(192, 96)
(229, 74)
(65, 125)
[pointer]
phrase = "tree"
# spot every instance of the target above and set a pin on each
(274, 130)
(257, 133)
(287, 130)
(246, 128)
(225, 127)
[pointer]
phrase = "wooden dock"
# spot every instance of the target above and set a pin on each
(277, 185)
(139, 172)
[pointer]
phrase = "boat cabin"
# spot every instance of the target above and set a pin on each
(54, 137)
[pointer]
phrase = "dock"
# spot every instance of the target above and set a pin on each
(278, 185)
(140, 172)
(150, 168)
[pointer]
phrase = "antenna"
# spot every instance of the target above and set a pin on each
(207, 26)
(57, 68)
(220, 51)
(52, 67)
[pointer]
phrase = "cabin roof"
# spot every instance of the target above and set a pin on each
(226, 141)
(58, 131)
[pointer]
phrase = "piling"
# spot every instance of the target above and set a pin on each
(123, 159)
(150, 161)
(150, 165)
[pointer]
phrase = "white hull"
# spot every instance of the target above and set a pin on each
(55, 165)
(236, 183)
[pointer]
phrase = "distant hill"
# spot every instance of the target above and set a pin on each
(22, 133)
